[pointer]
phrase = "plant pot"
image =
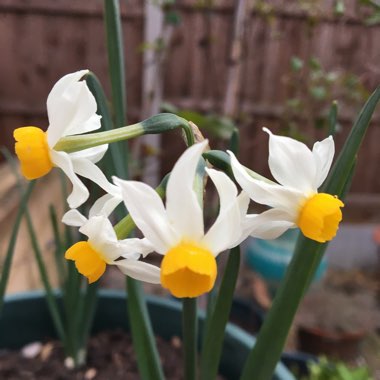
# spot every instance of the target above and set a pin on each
(338, 345)
(26, 319)
(270, 258)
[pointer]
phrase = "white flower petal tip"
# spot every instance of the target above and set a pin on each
(265, 129)
(74, 218)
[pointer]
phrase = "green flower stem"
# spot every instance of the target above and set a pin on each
(189, 329)
(214, 331)
(156, 124)
(142, 334)
(265, 354)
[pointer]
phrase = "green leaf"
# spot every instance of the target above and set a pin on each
(214, 335)
(50, 297)
(5, 270)
(116, 71)
(296, 64)
(116, 59)
(332, 119)
(342, 167)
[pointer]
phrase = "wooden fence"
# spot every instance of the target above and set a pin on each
(41, 40)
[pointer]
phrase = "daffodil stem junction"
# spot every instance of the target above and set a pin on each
(156, 124)
(265, 354)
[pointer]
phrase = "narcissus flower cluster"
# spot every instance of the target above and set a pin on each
(174, 228)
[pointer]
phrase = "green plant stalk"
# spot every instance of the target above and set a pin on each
(265, 354)
(214, 333)
(5, 270)
(156, 124)
(189, 330)
(116, 65)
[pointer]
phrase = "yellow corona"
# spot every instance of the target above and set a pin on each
(320, 216)
(89, 262)
(188, 270)
(33, 152)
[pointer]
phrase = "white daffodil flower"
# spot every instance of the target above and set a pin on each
(71, 110)
(103, 248)
(188, 268)
(295, 201)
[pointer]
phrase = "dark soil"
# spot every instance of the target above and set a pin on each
(110, 356)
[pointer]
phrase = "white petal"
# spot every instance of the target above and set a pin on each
(243, 201)
(87, 169)
(148, 212)
(135, 245)
(79, 194)
(291, 163)
(269, 225)
(140, 270)
(227, 227)
(105, 205)
(182, 206)
(265, 193)
(71, 108)
(94, 154)
(102, 236)
(74, 218)
(323, 152)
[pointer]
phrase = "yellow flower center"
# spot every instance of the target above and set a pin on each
(319, 217)
(33, 152)
(188, 270)
(88, 261)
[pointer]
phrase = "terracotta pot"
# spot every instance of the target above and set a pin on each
(338, 345)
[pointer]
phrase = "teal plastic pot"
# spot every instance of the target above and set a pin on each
(26, 319)
(270, 258)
